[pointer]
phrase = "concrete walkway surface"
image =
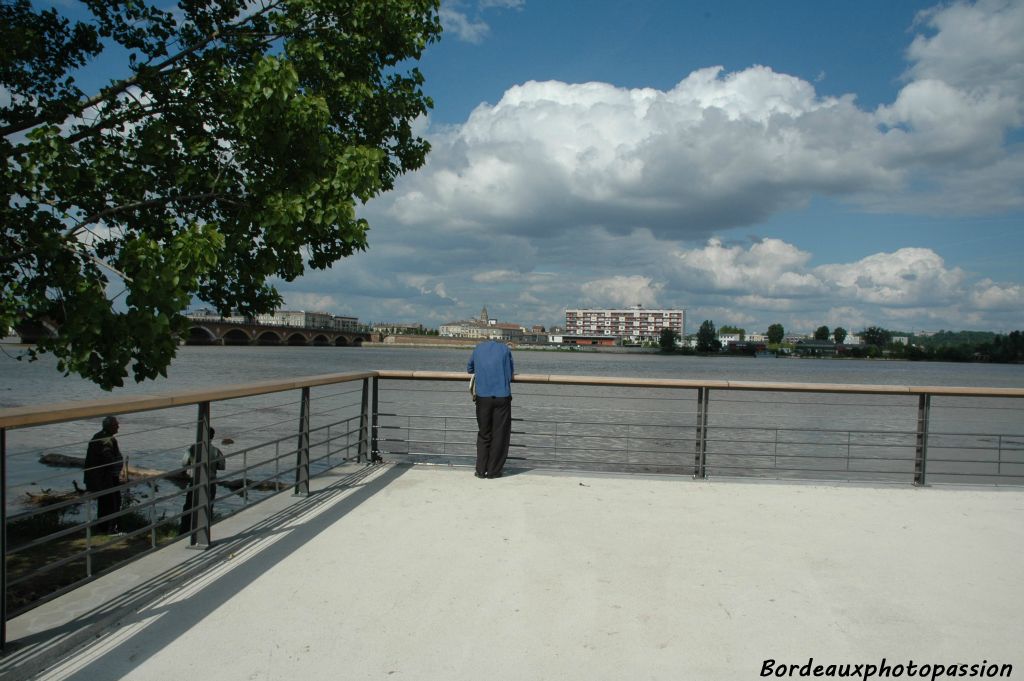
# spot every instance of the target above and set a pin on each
(428, 573)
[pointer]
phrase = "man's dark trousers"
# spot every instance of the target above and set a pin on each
(494, 423)
(107, 505)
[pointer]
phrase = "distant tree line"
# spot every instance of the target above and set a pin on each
(975, 347)
(943, 346)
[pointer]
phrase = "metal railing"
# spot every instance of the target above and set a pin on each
(56, 543)
(277, 434)
(919, 435)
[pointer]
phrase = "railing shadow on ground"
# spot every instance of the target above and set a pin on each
(61, 544)
(190, 590)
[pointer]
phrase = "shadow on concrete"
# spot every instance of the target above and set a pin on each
(298, 523)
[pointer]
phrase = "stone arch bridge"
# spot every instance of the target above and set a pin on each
(225, 332)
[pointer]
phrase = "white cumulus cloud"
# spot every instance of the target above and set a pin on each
(621, 291)
(561, 194)
(909, 276)
(721, 150)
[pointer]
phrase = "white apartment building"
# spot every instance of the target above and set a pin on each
(634, 323)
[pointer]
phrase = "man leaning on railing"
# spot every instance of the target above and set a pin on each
(491, 363)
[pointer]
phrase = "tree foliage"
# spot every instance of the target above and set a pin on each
(985, 347)
(821, 333)
(726, 328)
(954, 338)
(776, 333)
(707, 337)
(876, 336)
(233, 148)
(839, 334)
(668, 340)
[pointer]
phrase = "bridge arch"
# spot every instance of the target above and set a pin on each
(341, 341)
(237, 337)
(297, 339)
(320, 339)
(268, 338)
(200, 335)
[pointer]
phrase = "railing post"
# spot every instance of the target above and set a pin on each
(374, 424)
(924, 403)
(775, 451)
(999, 456)
(3, 538)
(302, 454)
(201, 514)
(364, 422)
(701, 444)
(88, 537)
(849, 442)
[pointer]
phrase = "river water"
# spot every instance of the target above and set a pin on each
(156, 438)
(29, 383)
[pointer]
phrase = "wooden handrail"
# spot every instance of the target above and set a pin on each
(41, 415)
(38, 415)
(762, 386)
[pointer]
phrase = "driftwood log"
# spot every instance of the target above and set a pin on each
(142, 474)
(134, 472)
(47, 496)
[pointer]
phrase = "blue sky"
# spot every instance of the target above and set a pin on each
(801, 162)
(807, 163)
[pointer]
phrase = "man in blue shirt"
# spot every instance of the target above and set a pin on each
(492, 364)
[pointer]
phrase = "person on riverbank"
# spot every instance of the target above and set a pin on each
(491, 364)
(105, 470)
(217, 463)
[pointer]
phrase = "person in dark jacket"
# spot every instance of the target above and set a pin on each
(104, 470)
(217, 463)
(491, 363)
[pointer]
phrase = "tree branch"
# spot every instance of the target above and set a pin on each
(70, 233)
(117, 88)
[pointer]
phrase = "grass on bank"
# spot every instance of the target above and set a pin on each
(104, 552)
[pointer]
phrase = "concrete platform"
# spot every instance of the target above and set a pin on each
(399, 572)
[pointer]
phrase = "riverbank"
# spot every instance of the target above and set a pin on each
(469, 343)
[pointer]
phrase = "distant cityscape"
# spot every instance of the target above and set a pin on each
(627, 326)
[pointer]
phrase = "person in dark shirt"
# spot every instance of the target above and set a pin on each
(492, 365)
(217, 463)
(104, 470)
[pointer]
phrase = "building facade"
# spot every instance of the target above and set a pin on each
(636, 324)
(482, 328)
(300, 318)
(346, 323)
